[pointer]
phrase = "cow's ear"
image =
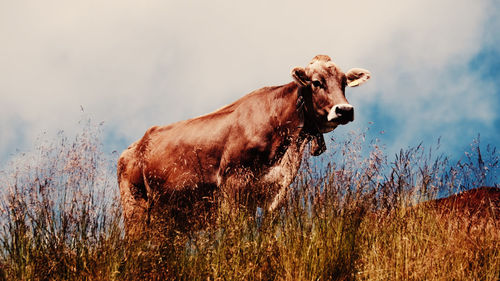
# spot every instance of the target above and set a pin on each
(357, 76)
(300, 76)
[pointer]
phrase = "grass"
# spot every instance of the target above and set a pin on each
(356, 217)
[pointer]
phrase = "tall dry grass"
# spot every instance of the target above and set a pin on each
(59, 218)
(355, 216)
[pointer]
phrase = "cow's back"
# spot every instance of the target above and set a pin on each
(186, 153)
(192, 152)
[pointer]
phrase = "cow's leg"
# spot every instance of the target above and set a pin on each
(133, 196)
(279, 198)
(284, 173)
(234, 185)
(135, 210)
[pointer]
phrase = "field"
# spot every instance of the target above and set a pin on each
(357, 215)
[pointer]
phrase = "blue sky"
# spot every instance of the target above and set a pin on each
(133, 64)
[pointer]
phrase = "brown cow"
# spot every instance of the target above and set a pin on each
(250, 149)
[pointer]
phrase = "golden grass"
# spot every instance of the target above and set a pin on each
(356, 217)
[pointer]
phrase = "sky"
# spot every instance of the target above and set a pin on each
(133, 64)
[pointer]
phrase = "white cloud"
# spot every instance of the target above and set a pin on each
(139, 63)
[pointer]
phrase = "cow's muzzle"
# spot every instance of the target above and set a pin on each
(341, 113)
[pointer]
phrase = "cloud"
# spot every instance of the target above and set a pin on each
(135, 64)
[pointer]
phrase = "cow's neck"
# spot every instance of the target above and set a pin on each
(285, 104)
(310, 127)
(296, 107)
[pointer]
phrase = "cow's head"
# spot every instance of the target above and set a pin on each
(325, 84)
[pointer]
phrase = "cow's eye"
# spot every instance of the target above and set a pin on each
(317, 83)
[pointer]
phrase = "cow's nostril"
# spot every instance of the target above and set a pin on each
(339, 110)
(343, 110)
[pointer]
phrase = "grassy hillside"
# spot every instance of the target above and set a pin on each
(357, 216)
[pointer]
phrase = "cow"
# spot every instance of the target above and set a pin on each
(249, 150)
